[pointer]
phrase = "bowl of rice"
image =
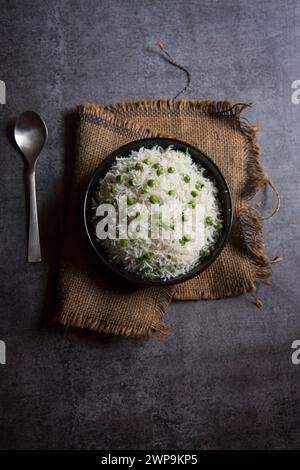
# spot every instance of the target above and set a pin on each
(157, 211)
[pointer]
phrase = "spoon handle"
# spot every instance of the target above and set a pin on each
(34, 248)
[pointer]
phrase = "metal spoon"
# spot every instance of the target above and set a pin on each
(31, 135)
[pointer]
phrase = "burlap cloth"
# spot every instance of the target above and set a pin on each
(92, 297)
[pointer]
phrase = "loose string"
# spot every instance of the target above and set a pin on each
(237, 106)
(256, 300)
(171, 61)
(278, 201)
(277, 259)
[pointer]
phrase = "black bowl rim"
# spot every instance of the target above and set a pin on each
(134, 278)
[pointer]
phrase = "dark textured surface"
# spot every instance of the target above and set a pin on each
(224, 377)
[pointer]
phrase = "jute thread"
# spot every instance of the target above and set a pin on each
(172, 61)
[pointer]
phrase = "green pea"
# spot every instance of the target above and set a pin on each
(192, 204)
(144, 191)
(219, 227)
(139, 166)
(187, 238)
(120, 179)
(151, 275)
(171, 169)
(114, 189)
(124, 243)
(157, 166)
(194, 193)
(159, 172)
(199, 185)
(147, 161)
(205, 252)
(186, 178)
(147, 255)
(151, 183)
(172, 192)
(182, 242)
(132, 182)
(131, 200)
(130, 167)
(209, 220)
(154, 199)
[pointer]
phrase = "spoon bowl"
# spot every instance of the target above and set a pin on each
(30, 135)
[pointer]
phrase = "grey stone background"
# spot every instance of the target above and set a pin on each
(223, 378)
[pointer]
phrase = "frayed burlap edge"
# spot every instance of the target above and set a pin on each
(251, 222)
(159, 325)
(114, 114)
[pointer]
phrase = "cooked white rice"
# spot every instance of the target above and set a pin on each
(170, 182)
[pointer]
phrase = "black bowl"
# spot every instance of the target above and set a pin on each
(212, 172)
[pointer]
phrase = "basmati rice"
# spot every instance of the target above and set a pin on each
(181, 193)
